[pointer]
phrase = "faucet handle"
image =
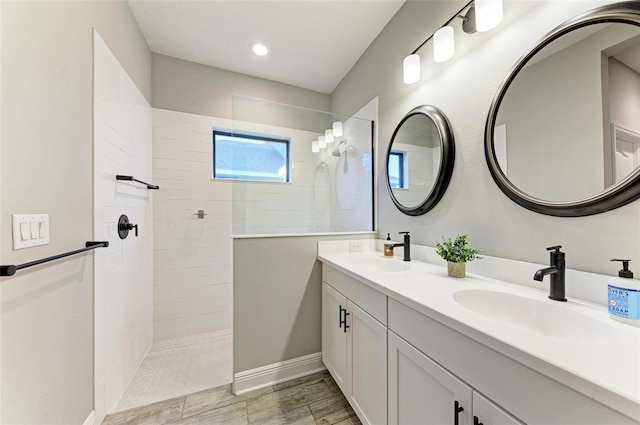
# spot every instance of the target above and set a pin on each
(556, 248)
(403, 233)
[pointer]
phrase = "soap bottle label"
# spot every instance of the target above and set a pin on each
(624, 302)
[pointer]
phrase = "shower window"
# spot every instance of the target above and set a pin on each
(238, 156)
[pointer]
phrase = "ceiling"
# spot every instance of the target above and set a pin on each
(312, 44)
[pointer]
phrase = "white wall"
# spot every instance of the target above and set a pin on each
(192, 257)
(123, 278)
(464, 88)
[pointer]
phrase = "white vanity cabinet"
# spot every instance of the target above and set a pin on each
(334, 335)
(354, 344)
(422, 392)
(533, 398)
(400, 361)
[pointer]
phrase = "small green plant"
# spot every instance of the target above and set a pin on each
(457, 251)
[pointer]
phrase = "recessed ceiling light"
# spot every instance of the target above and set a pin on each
(259, 49)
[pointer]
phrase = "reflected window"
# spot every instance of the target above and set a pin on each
(239, 156)
(396, 170)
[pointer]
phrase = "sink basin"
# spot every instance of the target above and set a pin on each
(539, 317)
(383, 264)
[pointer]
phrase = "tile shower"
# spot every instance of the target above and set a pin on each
(192, 255)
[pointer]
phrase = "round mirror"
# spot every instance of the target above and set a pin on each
(563, 133)
(420, 160)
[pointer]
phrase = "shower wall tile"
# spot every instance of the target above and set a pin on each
(123, 280)
(192, 257)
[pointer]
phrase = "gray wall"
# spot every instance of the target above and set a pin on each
(184, 86)
(464, 88)
(277, 293)
(47, 167)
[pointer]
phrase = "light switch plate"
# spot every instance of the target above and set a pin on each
(37, 230)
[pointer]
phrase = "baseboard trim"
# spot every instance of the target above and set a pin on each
(275, 373)
(91, 419)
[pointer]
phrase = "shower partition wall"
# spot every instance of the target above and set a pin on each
(330, 190)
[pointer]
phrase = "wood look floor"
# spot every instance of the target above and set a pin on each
(311, 400)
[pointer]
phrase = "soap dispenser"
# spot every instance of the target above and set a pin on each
(388, 247)
(624, 296)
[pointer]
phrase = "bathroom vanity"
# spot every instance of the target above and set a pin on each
(408, 345)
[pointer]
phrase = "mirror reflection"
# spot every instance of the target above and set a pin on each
(568, 126)
(413, 162)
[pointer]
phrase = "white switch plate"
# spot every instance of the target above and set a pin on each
(37, 230)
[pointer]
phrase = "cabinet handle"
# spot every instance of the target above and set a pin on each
(456, 412)
(341, 321)
(345, 320)
(476, 421)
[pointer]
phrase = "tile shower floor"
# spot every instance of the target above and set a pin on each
(181, 366)
(311, 400)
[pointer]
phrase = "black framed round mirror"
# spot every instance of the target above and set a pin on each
(562, 136)
(420, 160)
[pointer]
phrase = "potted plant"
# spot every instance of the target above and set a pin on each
(457, 254)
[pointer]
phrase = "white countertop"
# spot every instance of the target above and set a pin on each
(606, 371)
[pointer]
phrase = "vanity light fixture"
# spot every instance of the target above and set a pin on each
(259, 49)
(488, 14)
(314, 147)
(322, 142)
(337, 128)
(411, 69)
(328, 136)
(444, 46)
(480, 15)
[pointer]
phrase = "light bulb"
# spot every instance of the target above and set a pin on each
(322, 143)
(314, 147)
(337, 129)
(259, 49)
(443, 44)
(328, 136)
(488, 14)
(411, 69)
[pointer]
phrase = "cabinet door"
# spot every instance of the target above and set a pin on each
(487, 413)
(421, 391)
(367, 366)
(334, 337)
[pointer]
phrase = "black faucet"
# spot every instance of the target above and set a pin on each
(406, 245)
(556, 289)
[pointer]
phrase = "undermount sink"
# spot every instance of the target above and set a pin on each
(540, 317)
(383, 264)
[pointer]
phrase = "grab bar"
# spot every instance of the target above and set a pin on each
(130, 178)
(12, 269)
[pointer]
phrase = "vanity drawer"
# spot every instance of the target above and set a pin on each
(368, 299)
